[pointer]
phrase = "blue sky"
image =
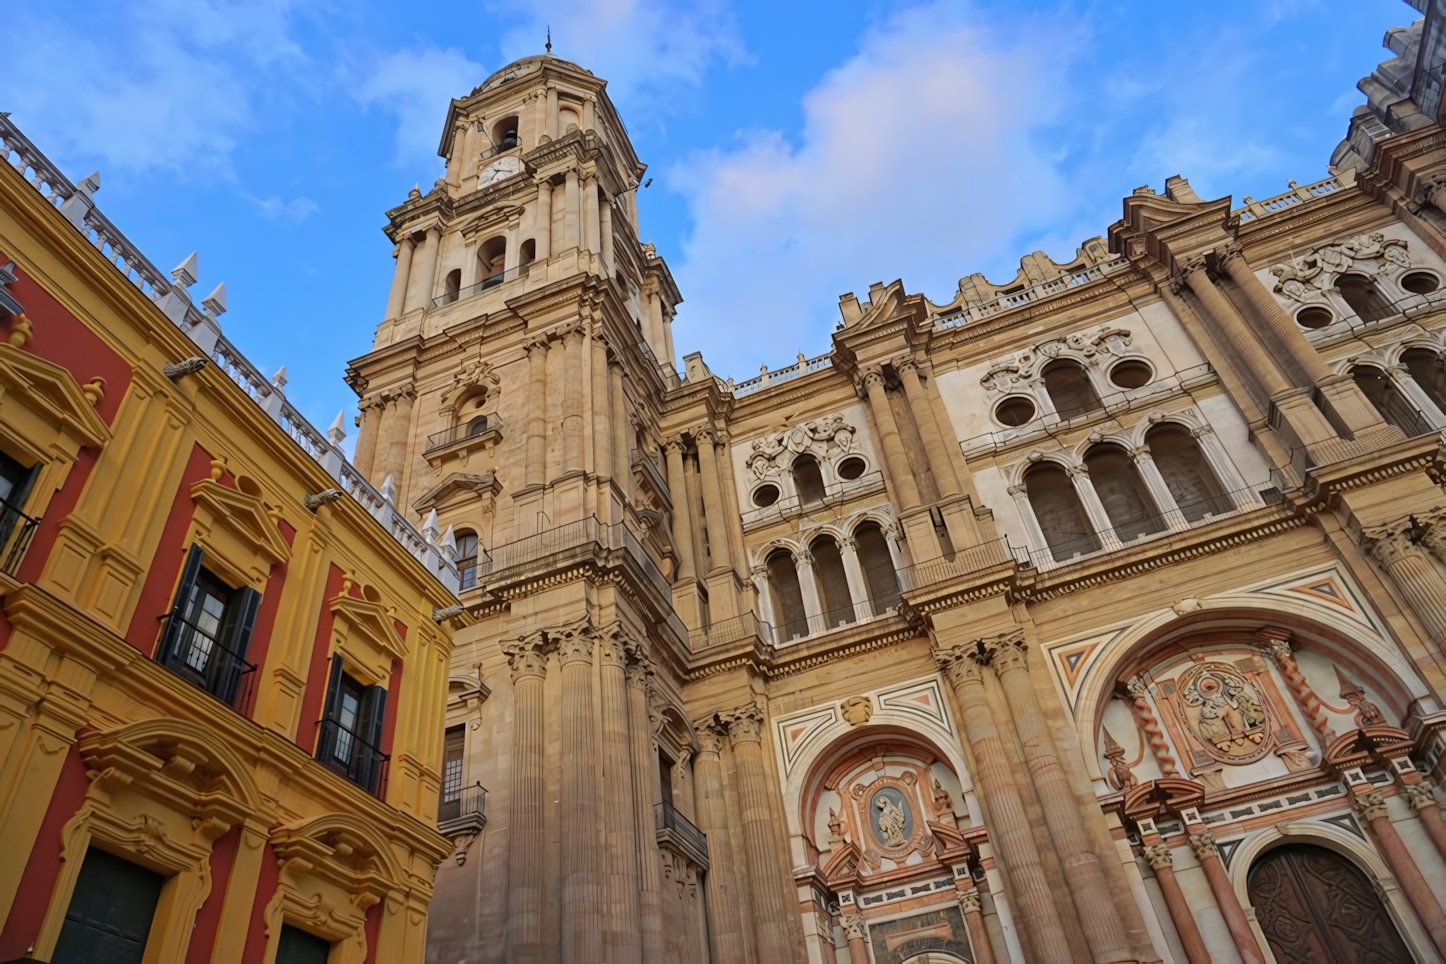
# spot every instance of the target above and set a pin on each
(799, 149)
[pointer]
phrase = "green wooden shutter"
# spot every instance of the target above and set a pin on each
(175, 628)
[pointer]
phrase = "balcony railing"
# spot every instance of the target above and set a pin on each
(344, 751)
(492, 281)
(462, 808)
(805, 366)
(501, 147)
(1040, 292)
(16, 531)
(475, 427)
(964, 562)
(205, 662)
(670, 821)
(730, 631)
(572, 535)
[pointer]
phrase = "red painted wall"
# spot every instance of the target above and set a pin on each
(61, 505)
(374, 929)
(43, 867)
(265, 622)
(265, 890)
(165, 567)
(311, 699)
(208, 918)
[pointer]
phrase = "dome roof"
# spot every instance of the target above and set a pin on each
(523, 66)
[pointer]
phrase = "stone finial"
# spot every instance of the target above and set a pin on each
(215, 302)
(185, 272)
(90, 185)
(337, 431)
(431, 529)
(448, 545)
(278, 381)
(389, 489)
(1120, 776)
(1367, 713)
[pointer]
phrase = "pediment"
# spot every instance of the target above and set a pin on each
(458, 486)
(366, 634)
(235, 526)
(52, 394)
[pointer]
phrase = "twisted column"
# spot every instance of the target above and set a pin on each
(725, 920)
(770, 900)
(1098, 915)
(1277, 647)
(928, 426)
(646, 794)
(899, 471)
(1206, 851)
(536, 460)
(623, 929)
(1371, 806)
(527, 659)
(682, 510)
(1163, 863)
(1008, 824)
(857, 933)
(974, 924)
(572, 415)
(581, 896)
(1139, 692)
(1413, 573)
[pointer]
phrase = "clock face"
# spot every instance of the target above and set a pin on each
(498, 170)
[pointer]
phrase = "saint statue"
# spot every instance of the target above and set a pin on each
(891, 821)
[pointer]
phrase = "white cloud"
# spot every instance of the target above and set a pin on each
(417, 84)
(275, 209)
(916, 153)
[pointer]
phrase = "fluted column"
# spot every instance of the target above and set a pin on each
(527, 659)
(1372, 808)
(397, 296)
(622, 929)
(399, 425)
(571, 212)
(725, 918)
(645, 797)
(1236, 331)
(542, 221)
(578, 820)
(1009, 827)
(1163, 863)
(1412, 572)
(536, 469)
(1277, 647)
(622, 433)
(928, 426)
(572, 420)
(770, 901)
(369, 424)
(423, 272)
(732, 515)
(715, 515)
(900, 473)
(682, 514)
(857, 934)
(1203, 843)
(974, 924)
(601, 416)
(1098, 916)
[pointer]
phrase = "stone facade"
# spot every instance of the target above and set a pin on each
(1041, 625)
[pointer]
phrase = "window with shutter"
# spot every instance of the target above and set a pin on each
(208, 630)
(350, 734)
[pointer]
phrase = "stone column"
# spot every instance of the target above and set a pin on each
(1277, 647)
(527, 659)
(422, 276)
(1237, 332)
(369, 424)
(808, 588)
(1163, 863)
(1009, 827)
(899, 472)
(1084, 487)
(1097, 913)
(536, 471)
(573, 367)
(1032, 529)
(1160, 493)
(1428, 811)
(542, 221)
(725, 919)
(974, 924)
(571, 213)
(622, 929)
(623, 435)
(1139, 692)
(667, 323)
(602, 417)
(715, 514)
(934, 445)
(1406, 384)
(857, 934)
(550, 118)
(578, 819)
(397, 297)
(591, 216)
(1203, 843)
(682, 516)
(605, 235)
(1413, 573)
(1209, 346)
(645, 797)
(1372, 808)
(399, 425)
(858, 584)
(770, 900)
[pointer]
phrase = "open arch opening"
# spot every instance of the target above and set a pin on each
(1069, 388)
(1427, 370)
(1122, 492)
(790, 617)
(833, 582)
(1059, 512)
(491, 261)
(878, 565)
(452, 286)
(504, 134)
(1388, 401)
(807, 479)
(1187, 473)
(1364, 297)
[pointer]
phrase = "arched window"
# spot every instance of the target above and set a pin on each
(491, 261)
(807, 479)
(833, 583)
(1426, 368)
(452, 286)
(528, 252)
(788, 608)
(1388, 401)
(878, 566)
(1069, 389)
(467, 557)
(1364, 297)
(504, 134)
(476, 426)
(1057, 508)
(1188, 476)
(1126, 500)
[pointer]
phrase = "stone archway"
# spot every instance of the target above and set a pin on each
(1312, 904)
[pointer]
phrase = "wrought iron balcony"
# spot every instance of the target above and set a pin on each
(678, 831)
(491, 281)
(207, 663)
(16, 531)
(344, 751)
(462, 809)
(476, 427)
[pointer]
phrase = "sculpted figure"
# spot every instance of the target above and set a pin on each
(891, 821)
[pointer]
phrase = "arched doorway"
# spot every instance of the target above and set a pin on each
(1315, 905)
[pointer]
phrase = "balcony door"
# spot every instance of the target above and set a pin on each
(110, 912)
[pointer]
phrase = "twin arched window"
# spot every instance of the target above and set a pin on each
(830, 588)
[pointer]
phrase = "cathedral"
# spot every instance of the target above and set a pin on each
(1095, 614)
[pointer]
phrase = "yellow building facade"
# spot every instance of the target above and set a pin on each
(223, 655)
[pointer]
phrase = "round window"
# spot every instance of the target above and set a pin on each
(1131, 374)
(765, 495)
(1420, 282)
(1314, 317)
(851, 468)
(1014, 411)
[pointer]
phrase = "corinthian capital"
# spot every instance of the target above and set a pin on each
(854, 927)
(959, 664)
(1159, 855)
(527, 656)
(1005, 650)
(710, 731)
(1372, 806)
(745, 724)
(1394, 543)
(1204, 845)
(574, 643)
(969, 901)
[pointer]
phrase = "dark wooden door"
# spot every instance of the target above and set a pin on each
(110, 912)
(1315, 907)
(298, 947)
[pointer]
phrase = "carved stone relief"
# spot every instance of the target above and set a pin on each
(1093, 348)
(822, 436)
(1307, 279)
